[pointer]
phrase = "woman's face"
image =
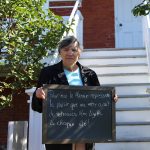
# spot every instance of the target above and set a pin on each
(70, 55)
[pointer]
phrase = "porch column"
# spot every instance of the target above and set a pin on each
(35, 126)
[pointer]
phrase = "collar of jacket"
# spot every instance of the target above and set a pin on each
(62, 76)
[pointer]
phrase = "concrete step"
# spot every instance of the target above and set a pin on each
(123, 78)
(96, 53)
(110, 61)
(123, 146)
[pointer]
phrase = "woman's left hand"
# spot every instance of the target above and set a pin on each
(115, 98)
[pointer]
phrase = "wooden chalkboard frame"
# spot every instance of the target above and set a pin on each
(47, 130)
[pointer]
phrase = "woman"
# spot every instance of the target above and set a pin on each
(67, 72)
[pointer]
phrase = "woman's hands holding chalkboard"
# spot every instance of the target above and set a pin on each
(40, 93)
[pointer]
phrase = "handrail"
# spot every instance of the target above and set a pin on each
(74, 10)
(148, 20)
(74, 16)
(146, 37)
(73, 13)
(61, 0)
(77, 28)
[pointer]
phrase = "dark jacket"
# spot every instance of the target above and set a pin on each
(55, 75)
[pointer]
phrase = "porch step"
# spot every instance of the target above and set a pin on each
(117, 65)
(123, 146)
(135, 133)
(127, 137)
(126, 78)
(127, 71)
(110, 60)
(141, 68)
(133, 102)
(133, 89)
(139, 115)
(104, 53)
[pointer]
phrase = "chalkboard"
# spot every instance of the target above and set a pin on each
(77, 114)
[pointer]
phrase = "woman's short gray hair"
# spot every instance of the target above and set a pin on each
(66, 41)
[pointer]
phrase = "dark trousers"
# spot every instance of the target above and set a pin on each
(58, 146)
(65, 146)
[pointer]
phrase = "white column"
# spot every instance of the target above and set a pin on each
(46, 6)
(35, 126)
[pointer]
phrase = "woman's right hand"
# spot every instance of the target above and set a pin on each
(40, 93)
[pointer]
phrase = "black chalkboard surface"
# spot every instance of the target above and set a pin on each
(76, 114)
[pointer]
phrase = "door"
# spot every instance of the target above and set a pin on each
(128, 28)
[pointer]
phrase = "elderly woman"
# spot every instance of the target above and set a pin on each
(67, 72)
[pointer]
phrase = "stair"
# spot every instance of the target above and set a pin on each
(127, 71)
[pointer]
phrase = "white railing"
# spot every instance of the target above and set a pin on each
(35, 118)
(146, 37)
(77, 28)
(75, 17)
(35, 126)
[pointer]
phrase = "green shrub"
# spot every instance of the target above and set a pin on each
(27, 34)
